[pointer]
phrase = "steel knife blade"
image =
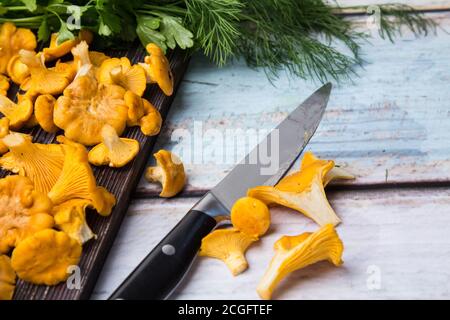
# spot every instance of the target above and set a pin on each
(285, 143)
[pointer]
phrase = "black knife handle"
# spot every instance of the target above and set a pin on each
(163, 268)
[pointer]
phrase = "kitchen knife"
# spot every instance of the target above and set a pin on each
(164, 267)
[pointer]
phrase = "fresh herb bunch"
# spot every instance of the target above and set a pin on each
(297, 35)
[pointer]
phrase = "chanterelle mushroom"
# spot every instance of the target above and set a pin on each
(56, 50)
(44, 257)
(113, 151)
(302, 191)
(70, 217)
(17, 71)
(42, 163)
(45, 80)
(337, 173)
(151, 122)
(157, 69)
(120, 71)
(17, 113)
(169, 171)
(142, 113)
(23, 211)
(296, 252)
(78, 182)
(250, 216)
(12, 40)
(7, 278)
(4, 85)
(87, 106)
(43, 110)
(228, 245)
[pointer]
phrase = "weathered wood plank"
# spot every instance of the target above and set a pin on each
(400, 236)
(388, 126)
(417, 4)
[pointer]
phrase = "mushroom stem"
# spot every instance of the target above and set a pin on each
(270, 280)
(116, 75)
(236, 262)
(154, 174)
(15, 140)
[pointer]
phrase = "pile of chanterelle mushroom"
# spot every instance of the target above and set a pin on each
(91, 99)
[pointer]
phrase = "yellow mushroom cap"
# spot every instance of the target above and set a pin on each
(17, 70)
(228, 245)
(135, 106)
(7, 278)
(296, 252)
(142, 113)
(23, 211)
(151, 122)
(302, 191)
(43, 110)
(97, 58)
(41, 163)
(157, 69)
(45, 80)
(250, 216)
(77, 180)
(17, 113)
(4, 131)
(70, 217)
(119, 71)
(55, 50)
(87, 106)
(4, 85)
(12, 40)
(45, 257)
(113, 151)
(169, 171)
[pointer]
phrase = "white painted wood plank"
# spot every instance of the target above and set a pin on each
(389, 126)
(401, 234)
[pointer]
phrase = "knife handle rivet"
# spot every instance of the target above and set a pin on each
(168, 249)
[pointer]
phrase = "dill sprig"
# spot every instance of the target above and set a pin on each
(395, 16)
(298, 36)
(216, 26)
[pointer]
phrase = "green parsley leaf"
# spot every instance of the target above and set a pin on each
(146, 31)
(30, 4)
(43, 31)
(174, 32)
(64, 34)
(109, 22)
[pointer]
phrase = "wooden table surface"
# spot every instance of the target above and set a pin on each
(390, 127)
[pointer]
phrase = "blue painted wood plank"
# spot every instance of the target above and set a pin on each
(391, 125)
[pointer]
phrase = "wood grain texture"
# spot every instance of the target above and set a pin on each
(121, 182)
(417, 4)
(400, 236)
(388, 126)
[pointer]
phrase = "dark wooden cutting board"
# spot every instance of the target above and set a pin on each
(121, 182)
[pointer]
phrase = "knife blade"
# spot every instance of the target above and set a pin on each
(286, 141)
(164, 267)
